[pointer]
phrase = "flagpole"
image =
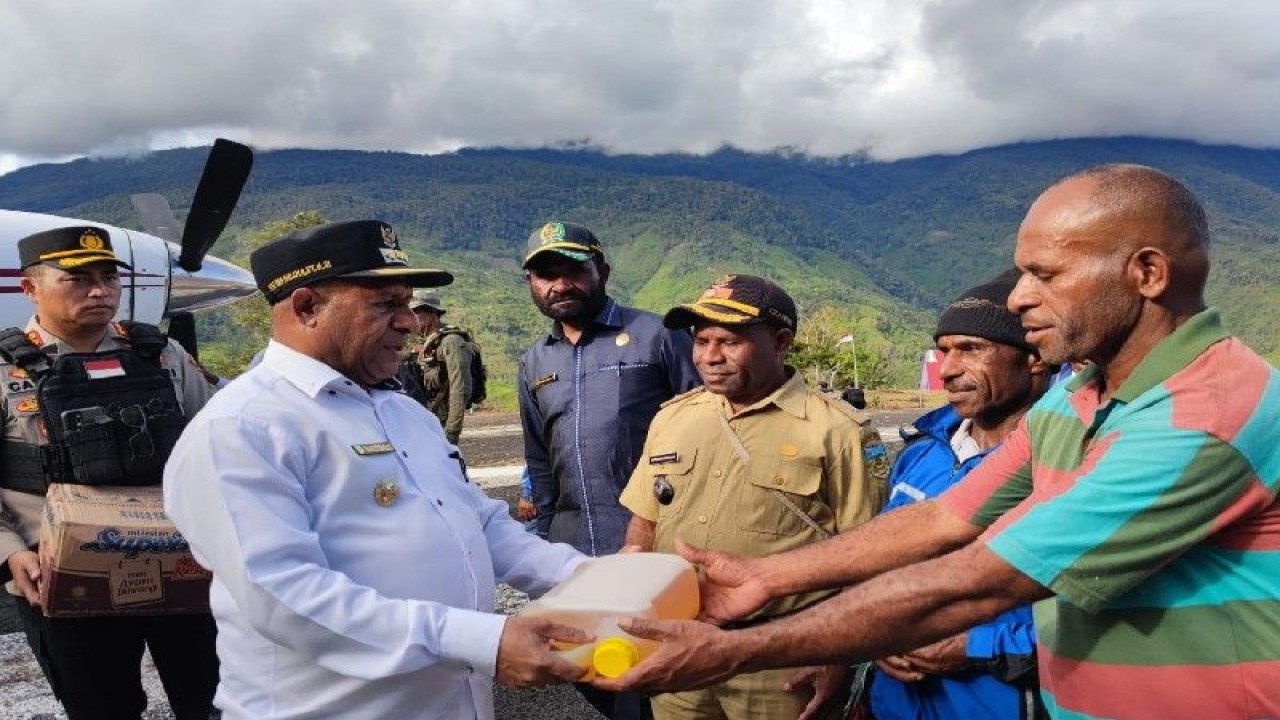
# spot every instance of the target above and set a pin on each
(853, 348)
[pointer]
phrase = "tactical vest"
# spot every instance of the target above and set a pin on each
(111, 418)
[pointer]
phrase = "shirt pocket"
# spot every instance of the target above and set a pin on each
(799, 481)
(640, 386)
(678, 475)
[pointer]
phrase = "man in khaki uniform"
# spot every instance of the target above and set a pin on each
(753, 462)
(445, 358)
(92, 663)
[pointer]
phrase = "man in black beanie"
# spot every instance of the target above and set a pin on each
(992, 376)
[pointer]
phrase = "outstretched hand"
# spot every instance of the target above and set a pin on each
(827, 684)
(945, 657)
(731, 584)
(690, 655)
(525, 656)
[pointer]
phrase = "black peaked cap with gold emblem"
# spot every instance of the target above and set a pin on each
(355, 249)
(737, 300)
(575, 242)
(68, 248)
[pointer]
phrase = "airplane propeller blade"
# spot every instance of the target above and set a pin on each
(224, 177)
(157, 216)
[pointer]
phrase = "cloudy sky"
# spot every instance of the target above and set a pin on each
(894, 78)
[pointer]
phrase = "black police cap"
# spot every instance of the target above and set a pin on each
(68, 248)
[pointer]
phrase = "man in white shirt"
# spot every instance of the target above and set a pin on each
(354, 564)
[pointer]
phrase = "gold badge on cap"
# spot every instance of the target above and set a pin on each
(788, 450)
(622, 339)
(389, 237)
(90, 240)
(386, 492)
(551, 232)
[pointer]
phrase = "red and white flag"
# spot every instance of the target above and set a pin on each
(99, 369)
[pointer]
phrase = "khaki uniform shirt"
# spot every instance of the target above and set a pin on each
(447, 378)
(820, 453)
(20, 512)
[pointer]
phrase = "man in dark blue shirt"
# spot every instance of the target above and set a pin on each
(588, 391)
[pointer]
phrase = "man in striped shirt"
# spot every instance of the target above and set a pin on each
(1139, 498)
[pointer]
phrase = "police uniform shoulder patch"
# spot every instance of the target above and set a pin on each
(685, 396)
(875, 456)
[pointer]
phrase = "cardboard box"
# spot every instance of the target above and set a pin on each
(113, 551)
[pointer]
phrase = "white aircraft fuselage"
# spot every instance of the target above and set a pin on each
(155, 289)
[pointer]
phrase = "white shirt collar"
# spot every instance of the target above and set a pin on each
(962, 443)
(308, 374)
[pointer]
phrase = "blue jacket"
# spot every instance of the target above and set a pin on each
(1005, 647)
(586, 409)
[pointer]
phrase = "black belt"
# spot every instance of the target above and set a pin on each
(23, 467)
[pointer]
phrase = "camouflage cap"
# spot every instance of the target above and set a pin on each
(424, 298)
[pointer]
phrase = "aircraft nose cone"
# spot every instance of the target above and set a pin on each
(217, 283)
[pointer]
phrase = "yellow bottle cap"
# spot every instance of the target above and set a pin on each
(614, 656)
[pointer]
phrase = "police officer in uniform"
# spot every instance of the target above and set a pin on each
(70, 275)
(445, 358)
(753, 462)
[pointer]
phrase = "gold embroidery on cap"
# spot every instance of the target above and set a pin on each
(300, 273)
(551, 232)
(90, 240)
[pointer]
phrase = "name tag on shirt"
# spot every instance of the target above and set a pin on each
(381, 448)
(664, 458)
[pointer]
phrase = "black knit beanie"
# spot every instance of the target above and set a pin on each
(981, 312)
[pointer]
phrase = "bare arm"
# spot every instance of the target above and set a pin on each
(893, 613)
(735, 586)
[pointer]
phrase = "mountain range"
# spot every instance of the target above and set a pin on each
(880, 246)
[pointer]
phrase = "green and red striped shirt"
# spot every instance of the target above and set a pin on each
(1154, 520)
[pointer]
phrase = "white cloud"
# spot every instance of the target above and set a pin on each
(831, 76)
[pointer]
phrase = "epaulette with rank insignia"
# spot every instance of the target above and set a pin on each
(684, 395)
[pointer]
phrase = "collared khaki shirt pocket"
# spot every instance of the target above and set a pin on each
(678, 475)
(799, 479)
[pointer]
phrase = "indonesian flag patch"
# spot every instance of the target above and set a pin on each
(99, 369)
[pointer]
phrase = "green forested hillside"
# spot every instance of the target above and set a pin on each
(879, 245)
